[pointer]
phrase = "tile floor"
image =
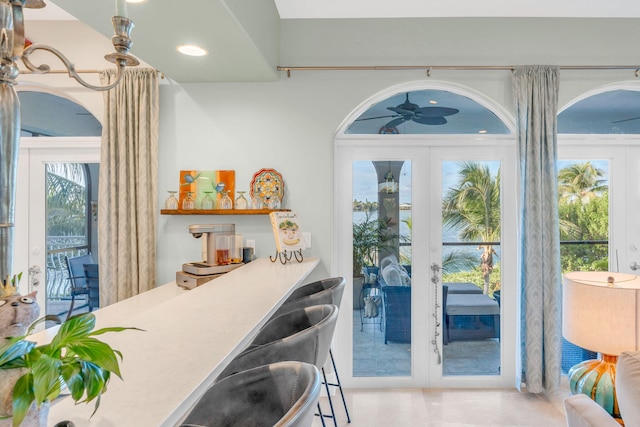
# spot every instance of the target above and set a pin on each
(438, 407)
(372, 357)
(447, 408)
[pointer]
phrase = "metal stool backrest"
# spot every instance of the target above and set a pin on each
(327, 291)
(278, 394)
(302, 335)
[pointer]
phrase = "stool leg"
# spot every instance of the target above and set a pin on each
(339, 385)
(333, 412)
(319, 414)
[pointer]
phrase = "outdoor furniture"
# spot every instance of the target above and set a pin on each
(397, 308)
(77, 281)
(471, 316)
(395, 283)
(462, 288)
(92, 280)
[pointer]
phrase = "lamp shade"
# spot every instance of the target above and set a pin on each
(600, 311)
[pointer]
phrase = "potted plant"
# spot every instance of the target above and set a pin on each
(369, 237)
(74, 359)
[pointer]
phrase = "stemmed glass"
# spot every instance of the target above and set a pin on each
(225, 201)
(241, 201)
(171, 203)
(256, 202)
(188, 203)
(207, 201)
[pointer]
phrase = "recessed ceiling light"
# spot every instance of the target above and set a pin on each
(136, 1)
(191, 50)
(482, 131)
(433, 101)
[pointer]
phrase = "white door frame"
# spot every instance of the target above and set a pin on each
(420, 150)
(29, 249)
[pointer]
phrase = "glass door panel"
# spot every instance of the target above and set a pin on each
(382, 226)
(471, 274)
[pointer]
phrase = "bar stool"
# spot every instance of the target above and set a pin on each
(326, 291)
(302, 335)
(278, 394)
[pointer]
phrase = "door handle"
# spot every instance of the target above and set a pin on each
(34, 277)
(435, 279)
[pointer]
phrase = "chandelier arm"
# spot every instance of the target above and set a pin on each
(71, 69)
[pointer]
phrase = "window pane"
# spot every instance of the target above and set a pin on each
(583, 205)
(471, 273)
(382, 268)
(427, 112)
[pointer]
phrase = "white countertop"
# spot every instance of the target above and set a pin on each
(189, 337)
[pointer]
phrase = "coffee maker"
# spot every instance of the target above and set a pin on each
(196, 273)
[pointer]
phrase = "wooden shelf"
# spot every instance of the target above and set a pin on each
(221, 211)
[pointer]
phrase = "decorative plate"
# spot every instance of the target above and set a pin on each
(266, 185)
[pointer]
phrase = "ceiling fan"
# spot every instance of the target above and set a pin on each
(422, 115)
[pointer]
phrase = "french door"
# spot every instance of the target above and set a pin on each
(31, 250)
(398, 332)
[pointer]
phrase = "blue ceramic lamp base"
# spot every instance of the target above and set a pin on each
(596, 379)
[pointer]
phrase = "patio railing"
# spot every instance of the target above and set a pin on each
(58, 249)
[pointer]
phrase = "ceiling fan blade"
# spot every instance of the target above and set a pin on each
(626, 120)
(395, 122)
(436, 111)
(401, 111)
(430, 120)
(377, 117)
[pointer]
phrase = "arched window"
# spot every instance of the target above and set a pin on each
(614, 111)
(45, 114)
(428, 111)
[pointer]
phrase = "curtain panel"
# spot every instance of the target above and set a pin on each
(535, 89)
(127, 198)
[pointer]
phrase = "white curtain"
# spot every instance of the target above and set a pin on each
(536, 98)
(127, 200)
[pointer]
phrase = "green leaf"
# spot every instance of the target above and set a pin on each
(75, 327)
(72, 376)
(95, 380)
(22, 398)
(13, 349)
(97, 352)
(46, 378)
(113, 329)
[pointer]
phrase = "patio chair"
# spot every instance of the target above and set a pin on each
(77, 281)
(92, 279)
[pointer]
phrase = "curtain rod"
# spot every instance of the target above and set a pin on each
(428, 68)
(160, 73)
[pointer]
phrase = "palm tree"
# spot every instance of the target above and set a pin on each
(66, 199)
(451, 263)
(473, 210)
(581, 182)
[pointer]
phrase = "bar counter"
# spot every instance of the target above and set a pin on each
(189, 337)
